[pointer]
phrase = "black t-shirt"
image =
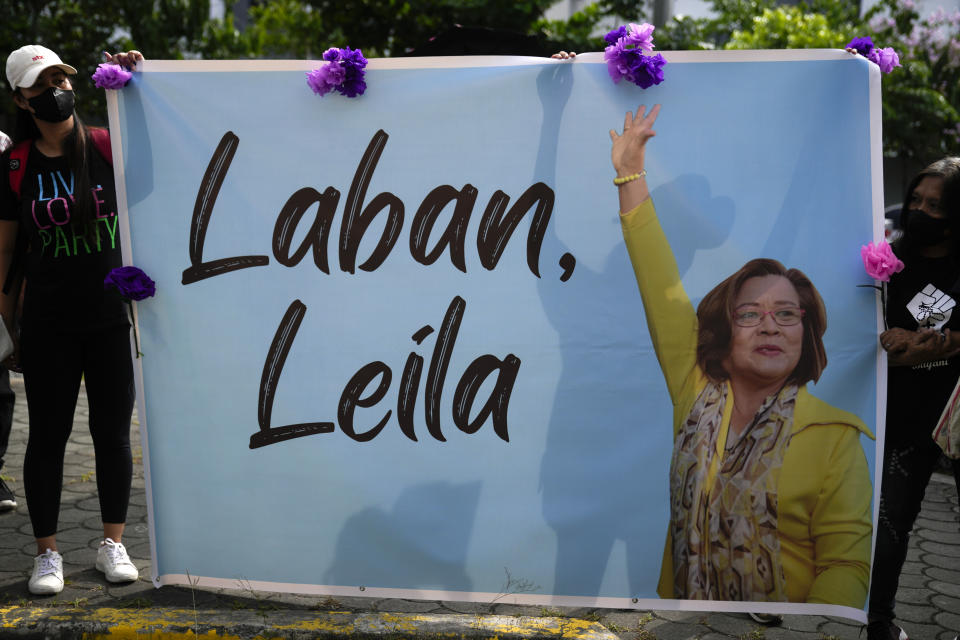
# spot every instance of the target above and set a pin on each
(65, 268)
(924, 295)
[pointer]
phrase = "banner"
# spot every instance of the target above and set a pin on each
(398, 348)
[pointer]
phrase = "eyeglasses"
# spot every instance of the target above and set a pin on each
(784, 316)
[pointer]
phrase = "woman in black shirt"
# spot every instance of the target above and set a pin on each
(922, 347)
(58, 218)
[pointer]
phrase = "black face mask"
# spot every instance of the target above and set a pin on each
(924, 230)
(53, 105)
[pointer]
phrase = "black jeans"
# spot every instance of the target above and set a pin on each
(906, 471)
(53, 365)
(7, 398)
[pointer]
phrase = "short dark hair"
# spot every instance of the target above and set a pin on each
(715, 314)
(948, 169)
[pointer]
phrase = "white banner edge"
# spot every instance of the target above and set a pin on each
(126, 250)
(460, 62)
(640, 604)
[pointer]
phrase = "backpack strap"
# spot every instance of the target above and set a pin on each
(101, 140)
(18, 165)
(21, 150)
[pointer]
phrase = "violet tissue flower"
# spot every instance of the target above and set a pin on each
(326, 78)
(613, 36)
(131, 282)
(863, 45)
(625, 56)
(110, 76)
(886, 58)
(649, 72)
(342, 71)
(640, 36)
(880, 261)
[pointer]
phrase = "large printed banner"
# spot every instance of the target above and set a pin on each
(398, 346)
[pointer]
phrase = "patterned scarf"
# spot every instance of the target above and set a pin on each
(725, 542)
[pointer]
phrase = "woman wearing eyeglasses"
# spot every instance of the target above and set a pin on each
(769, 487)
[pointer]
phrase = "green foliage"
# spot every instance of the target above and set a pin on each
(167, 29)
(583, 31)
(789, 27)
(921, 100)
(578, 33)
(280, 29)
(81, 30)
(686, 33)
(391, 27)
(759, 24)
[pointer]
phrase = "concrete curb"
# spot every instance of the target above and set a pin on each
(89, 608)
(176, 624)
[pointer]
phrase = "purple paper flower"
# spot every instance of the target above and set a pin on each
(640, 36)
(625, 56)
(110, 76)
(131, 282)
(880, 261)
(615, 35)
(863, 45)
(649, 71)
(326, 78)
(632, 65)
(886, 58)
(342, 71)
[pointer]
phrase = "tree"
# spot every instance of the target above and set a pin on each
(78, 30)
(392, 27)
(921, 100)
(921, 104)
(583, 30)
(81, 30)
(280, 29)
(789, 27)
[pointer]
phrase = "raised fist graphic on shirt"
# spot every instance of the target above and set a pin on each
(931, 307)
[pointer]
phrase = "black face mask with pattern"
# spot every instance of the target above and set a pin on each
(923, 230)
(53, 105)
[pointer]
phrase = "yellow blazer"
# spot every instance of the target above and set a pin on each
(824, 490)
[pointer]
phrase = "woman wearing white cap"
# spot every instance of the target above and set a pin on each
(58, 219)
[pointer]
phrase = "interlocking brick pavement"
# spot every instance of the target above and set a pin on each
(928, 600)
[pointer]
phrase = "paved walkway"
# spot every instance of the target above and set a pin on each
(89, 607)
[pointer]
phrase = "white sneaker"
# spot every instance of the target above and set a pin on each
(769, 619)
(113, 561)
(47, 575)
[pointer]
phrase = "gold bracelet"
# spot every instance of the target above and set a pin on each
(630, 178)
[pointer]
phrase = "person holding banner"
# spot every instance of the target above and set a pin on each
(770, 491)
(7, 398)
(58, 218)
(922, 346)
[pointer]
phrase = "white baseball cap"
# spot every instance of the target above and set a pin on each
(26, 63)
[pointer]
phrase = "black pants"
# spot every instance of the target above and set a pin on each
(53, 365)
(7, 398)
(906, 472)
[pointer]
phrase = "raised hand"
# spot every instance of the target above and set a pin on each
(127, 59)
(629, 147)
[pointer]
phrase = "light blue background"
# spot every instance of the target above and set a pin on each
(750, 159)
